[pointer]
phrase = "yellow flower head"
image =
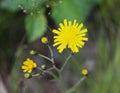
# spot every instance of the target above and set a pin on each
(28, 65)
(84, 72)
(70, 36)
(44, 40)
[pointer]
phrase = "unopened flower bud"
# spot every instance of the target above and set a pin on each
(44, 40)
(27, 75)
(33, 52)
(84, 72)
(43, 67)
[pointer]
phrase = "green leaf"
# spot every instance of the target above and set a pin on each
(35, 26)
(72, 9)
(14, 5)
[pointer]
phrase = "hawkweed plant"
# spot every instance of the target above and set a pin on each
(68, 36)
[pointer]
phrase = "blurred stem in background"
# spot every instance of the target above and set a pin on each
(15, 76)
(74, 88)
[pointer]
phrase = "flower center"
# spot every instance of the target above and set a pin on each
(68, 34)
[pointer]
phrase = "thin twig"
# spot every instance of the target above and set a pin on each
(51, 52)
(52, 59)
(45, 57)
(35, 75)
(52, 74)
(71, 90)
(66, 62)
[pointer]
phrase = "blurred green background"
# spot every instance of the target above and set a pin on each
(23, 22)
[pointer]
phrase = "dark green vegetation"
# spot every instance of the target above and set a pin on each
(23, 22)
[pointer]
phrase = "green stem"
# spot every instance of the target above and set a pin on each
(52, 74)
(51, 52)
(60, 72)
(35, 75)
(47, 71)
(39, 68)
(61, 83)
(65, 62)
(49, 28)
(71, 90)
(45, 57)
(52, 59)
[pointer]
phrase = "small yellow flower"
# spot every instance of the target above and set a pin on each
(84, 72)
(44, 40)
(70, 36)
(28, 65)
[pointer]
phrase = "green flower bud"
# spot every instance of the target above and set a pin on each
(27, 75)
(33, 52)
(43, 67)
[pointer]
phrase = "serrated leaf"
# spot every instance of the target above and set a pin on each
(72, 9)
(35, 26)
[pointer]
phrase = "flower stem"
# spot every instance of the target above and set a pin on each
(52, 58)
(61, 83)
(51, 52)
(52, 74)
(60, 72)
(45, 57)
(71, 90)
(47, 71)
(36, 75)
(65, 62)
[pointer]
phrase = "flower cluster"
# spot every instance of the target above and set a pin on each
(68, 35)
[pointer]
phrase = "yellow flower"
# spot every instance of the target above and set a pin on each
(84, 72)
(70, 36)
(28, 65)
(44, 40)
